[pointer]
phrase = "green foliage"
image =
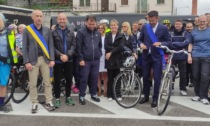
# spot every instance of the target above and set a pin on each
(2, 2)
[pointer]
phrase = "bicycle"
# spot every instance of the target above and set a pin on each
(166, 82)
(127, 87)
(21, 89)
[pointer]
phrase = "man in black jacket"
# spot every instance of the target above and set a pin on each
(65, 45)
(89, 53)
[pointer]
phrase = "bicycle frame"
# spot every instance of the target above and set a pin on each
(167, 77)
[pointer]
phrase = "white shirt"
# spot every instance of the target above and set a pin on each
(155, 28)
(113, 37)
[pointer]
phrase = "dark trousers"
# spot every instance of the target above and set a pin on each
(112, 73)
(63, 70)
(157, 73)
(201, 71)
(189, 73)
(76, 73)
(91, 69)
(182, 73)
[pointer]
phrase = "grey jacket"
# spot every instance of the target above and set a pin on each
(30, 46)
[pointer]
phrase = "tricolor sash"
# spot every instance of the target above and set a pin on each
(154, 39)
(39, 39)
(42, 43)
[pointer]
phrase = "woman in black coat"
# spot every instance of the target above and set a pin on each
(114, 43)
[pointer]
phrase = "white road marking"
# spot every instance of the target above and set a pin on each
(24, 109)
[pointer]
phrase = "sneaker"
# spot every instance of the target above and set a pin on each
(34, 108)
(57, 103)
(204, 101)
(110, 99)
(4, 109)
(119, 99)
(69, 101)
(75, 90)
(183, 93)
(82, 100)
(49, 106)
(95, 98)
(196, 98)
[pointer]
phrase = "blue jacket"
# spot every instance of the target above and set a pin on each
(88, 45)
(180, 40)
(162, 35)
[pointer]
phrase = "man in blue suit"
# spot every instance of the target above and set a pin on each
(152, 56)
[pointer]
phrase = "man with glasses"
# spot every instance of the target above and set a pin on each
(199, 57)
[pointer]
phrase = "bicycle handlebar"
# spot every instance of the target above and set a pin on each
(172, 51)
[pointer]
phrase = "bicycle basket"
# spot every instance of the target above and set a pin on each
(129, 61)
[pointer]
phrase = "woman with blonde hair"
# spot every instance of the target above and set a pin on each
(114, 43)
(130, 42)
(102, 71)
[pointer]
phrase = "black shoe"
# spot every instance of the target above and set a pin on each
(82, 100)
(95, 98)
(4, 109)
(154, 104)
(191, 85)
(144, 100)
(136, 88)
(34, 108)
(49, 106)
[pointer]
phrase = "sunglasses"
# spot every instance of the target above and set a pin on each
(140, 24)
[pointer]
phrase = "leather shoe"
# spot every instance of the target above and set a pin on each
(154, 104)
(144, 100)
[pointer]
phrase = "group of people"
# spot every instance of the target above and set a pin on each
(95, 55)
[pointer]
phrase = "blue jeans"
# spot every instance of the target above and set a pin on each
(91, 68)
(201, 72)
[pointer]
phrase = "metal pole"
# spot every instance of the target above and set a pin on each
(140, 7)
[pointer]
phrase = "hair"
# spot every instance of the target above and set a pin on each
(100, 24)
(34, 11)
(135, 22)
(90, 17)
(22, 25)
(190, 23)
(114, 21)
(129, 28)
(179, 20)
(142, 21)
(153, 13)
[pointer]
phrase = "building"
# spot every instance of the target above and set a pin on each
(165, 7)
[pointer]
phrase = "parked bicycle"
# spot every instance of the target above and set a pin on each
(166, 82)
(21, 89)
(127, 87)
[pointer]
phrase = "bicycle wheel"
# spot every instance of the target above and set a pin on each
(125, 89)
(10, 88)
(164, 93)
(21, 90)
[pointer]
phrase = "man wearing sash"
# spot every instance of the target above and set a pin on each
(38, 55)
(152, 35)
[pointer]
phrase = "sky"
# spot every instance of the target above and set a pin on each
(184, 7)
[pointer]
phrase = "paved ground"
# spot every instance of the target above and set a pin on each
(181, 112)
